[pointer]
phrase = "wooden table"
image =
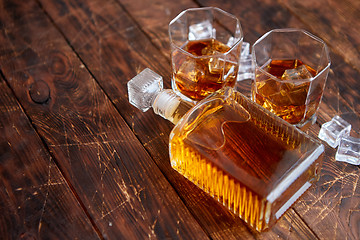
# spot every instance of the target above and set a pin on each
(77, 161)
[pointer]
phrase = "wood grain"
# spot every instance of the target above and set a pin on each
(122, 189)
(335, 21)
(217, 223)
(35, 199)
(68, 62)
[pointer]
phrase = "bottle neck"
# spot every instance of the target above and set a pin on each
(170, 106)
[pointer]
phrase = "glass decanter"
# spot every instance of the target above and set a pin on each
(247, 158)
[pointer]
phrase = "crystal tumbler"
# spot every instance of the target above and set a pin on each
(291, 68)
(205, 51)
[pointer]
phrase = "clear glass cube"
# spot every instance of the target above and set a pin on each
(349, 150)
(246, 66)
(332, 131)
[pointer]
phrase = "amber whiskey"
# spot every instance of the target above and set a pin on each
(287, 95)
(204, 69)
(245, 159)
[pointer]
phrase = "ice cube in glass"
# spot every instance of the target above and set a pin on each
(202, 30)
(301, 72)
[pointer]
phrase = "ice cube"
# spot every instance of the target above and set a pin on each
(143, 88)
(245, 49)
(296, 94)
(214, 49)
(349, 150)
(231, 41)
(191, 71)
(203, 30)
(209, 50)
(268, 87)
(246, 66)
(216, 64)
(301, 72)
(332, 131)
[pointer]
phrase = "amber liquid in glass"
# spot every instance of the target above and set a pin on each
(238, 161)
(200, 74)
(286, 98)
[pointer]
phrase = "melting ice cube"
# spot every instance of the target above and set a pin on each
(301, 72)
(203, 30)
(349, 150)
(332, 131)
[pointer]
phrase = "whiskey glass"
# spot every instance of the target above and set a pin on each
(291, 68)
(205, 51)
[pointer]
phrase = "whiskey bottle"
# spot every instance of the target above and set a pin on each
(253, 162)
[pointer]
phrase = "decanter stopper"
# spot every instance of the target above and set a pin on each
(143, 89)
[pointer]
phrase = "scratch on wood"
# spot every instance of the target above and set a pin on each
(355, 184)
(177, 227)
(86, 143)
(152, 234)
(17, 131)
(338, 100)
(85, 25)
(112, 210)
(321, 215)
(153, 139)
(123, 188)
(66, 141)
(46, 196)
(102, 172)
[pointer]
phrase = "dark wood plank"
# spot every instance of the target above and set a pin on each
(332, 207)
(35, 199)
(106, 32)
(153, 18)
(122, 189)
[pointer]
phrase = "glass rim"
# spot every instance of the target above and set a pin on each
(285, 30)
(235, 44)
(203, 9)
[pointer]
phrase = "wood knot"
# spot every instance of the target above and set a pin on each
(59, 64)
(39, 92)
